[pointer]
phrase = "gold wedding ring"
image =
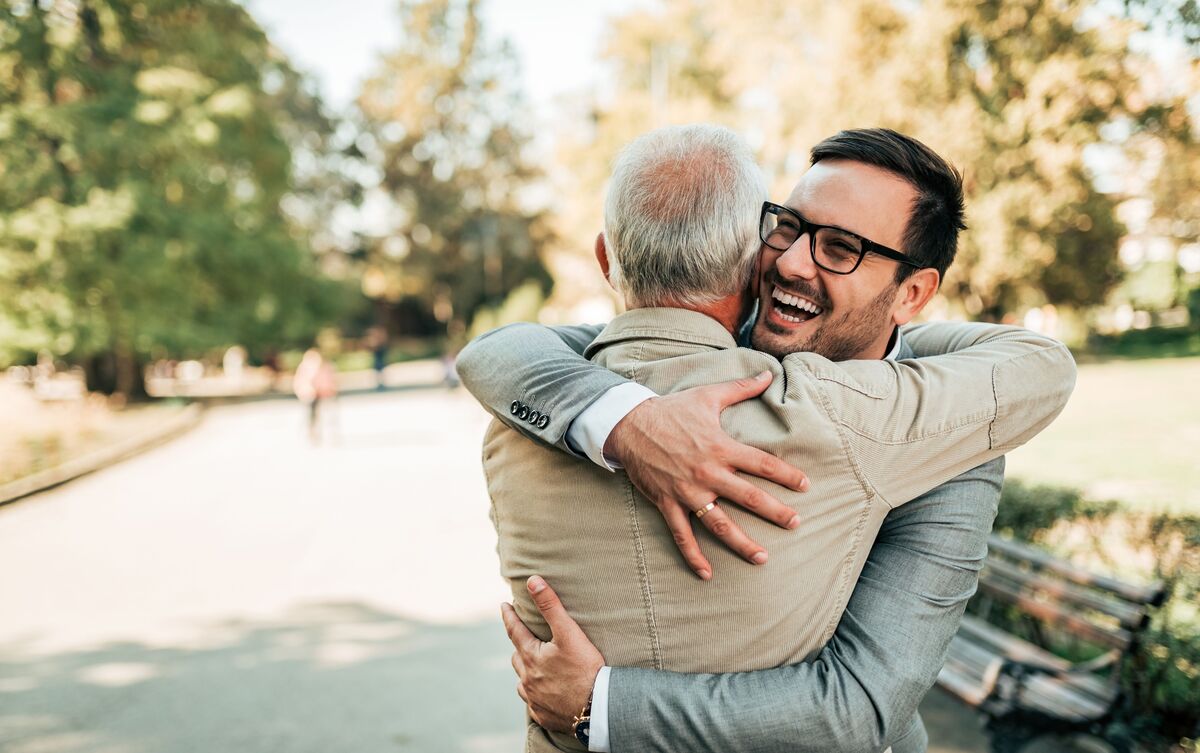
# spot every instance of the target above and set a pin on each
(704, 510)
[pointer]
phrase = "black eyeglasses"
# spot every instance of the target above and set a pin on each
(833, 249)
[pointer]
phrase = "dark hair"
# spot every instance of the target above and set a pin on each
(931, 235)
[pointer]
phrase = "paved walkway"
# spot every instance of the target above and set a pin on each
(242, 590)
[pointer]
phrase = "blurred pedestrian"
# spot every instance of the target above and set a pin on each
(450, 369)
(315, 382)
(378, 341)
(233, 366)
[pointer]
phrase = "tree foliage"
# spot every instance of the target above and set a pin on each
(445, 123)
(144, 158)
(1023, 95)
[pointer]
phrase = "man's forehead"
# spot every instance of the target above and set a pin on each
(862, 198)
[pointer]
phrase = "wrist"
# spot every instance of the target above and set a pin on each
(615, 444)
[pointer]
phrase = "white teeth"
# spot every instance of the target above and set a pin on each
(797, 301)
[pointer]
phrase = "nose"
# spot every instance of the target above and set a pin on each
(797, 261)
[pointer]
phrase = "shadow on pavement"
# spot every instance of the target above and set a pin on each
(332, 677)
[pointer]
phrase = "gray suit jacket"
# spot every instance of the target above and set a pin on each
(861, 692)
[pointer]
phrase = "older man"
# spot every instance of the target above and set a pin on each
(679, 245)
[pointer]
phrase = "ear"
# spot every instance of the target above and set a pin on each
(602, 256)
(912, 294)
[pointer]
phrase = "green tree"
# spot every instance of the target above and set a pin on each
(1018, 94)
(144, 165)
(1032, 85)
(1175, 192)
(446, 127)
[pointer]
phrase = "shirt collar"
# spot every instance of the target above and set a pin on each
(894, 346)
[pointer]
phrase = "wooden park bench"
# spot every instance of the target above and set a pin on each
(1027, 692)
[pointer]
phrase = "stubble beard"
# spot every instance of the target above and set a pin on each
(839, 339)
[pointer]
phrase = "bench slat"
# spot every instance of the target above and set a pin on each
(974, 656)
(1053, 694)
(1048, 694)
(1151, 594)
(1115, 637)
(1130, 616)
(1100, 610)
(967, 674)
(991, 638)
(965, 687)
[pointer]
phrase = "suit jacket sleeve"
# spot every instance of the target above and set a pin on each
(860, 694)
(539, 367)
(915, 424)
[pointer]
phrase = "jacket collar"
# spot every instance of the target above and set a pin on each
(679, 325)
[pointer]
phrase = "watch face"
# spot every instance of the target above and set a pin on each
(582, 731)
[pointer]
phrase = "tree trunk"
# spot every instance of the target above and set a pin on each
(131, 380)
(100, 372)
(117, 371)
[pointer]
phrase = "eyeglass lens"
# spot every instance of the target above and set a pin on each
(832, 249)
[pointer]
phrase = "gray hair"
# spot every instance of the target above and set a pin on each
(681, 216)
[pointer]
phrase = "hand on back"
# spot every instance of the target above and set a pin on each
(677, 454)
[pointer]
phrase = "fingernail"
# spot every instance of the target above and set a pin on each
(760, 558)
(794, 523)
(536, 584)
(704, 574)
(763, 375)
(804, 485)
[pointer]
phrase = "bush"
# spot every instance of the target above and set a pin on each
(1027, 511)
(1155, 342)
(1162, 683)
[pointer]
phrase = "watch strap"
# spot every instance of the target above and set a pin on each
(582, 725)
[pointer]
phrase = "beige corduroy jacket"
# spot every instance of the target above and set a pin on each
(871, 435)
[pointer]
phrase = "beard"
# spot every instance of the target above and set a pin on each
(840, 338)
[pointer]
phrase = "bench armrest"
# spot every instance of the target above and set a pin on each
(1019, 669)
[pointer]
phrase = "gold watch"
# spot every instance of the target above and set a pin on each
(582, 724)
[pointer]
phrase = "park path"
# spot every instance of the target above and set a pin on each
(242, 590)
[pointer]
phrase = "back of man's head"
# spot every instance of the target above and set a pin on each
(936, 216)
(681, 216)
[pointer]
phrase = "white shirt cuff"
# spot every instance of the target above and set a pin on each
(590, 429)
(598, 729)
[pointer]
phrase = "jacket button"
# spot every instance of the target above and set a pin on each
(533, 417)
(516, 406)
(543, 422)
(523, 413)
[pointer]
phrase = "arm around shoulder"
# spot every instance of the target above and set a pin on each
(1029, 377)
(939, 415)
(1031, 390)
(1032, 378)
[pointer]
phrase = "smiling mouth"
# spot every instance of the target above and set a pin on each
(793, 308)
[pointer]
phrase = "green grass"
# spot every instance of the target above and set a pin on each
(1131, 433)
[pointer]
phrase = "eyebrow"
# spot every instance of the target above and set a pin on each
(833, 227)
